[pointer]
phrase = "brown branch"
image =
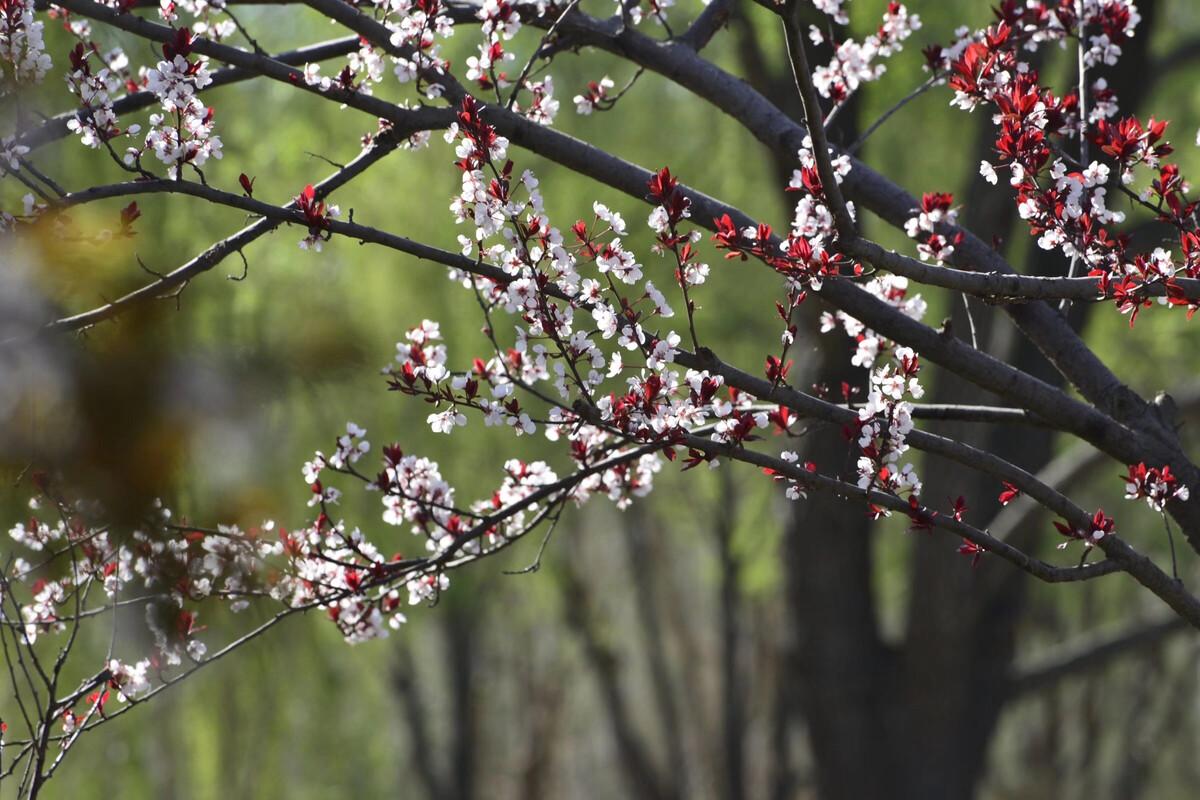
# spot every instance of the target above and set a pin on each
(955, 412)
(1069, 469)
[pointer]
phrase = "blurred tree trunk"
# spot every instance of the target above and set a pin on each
(844, 668)
(641, 776)
(448, 771)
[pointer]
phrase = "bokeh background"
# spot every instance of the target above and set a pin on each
(654, 654)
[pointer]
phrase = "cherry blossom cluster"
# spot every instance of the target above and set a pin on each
(654, 9)
(10, 154)
(41, 613)
(1101, 526)
(500, 22)
(871, 345)
(1105, 24)
(208, 17)
(1156, 485)
(9, 221)
(595, 97)
(198, 564)
(485, 68)
(1065, 202)
(545, 286)
(936, 209)
(884, 422)
(175, 567)
(500, 19)
(172, 568)
(622, 482)
(835, 9)
(813, 220)
(416, 30)
(417, 26)
(23, 57)
(96, 122)
(415, 493)
(340, 572)
(855, 63)
(671, 209)
(43, 539)
(316, 216)
(364, 68)
(182, 133)
(808, 256)
(544, 289)
(129, 681)
(522, 480)
(795, 489)
(177, 78)
(420, 370)
(542, 106)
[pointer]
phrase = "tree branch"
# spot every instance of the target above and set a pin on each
(1091, 654)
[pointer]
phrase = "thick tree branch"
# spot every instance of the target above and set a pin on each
(714, 17)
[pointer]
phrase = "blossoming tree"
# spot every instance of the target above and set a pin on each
(594, 345)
